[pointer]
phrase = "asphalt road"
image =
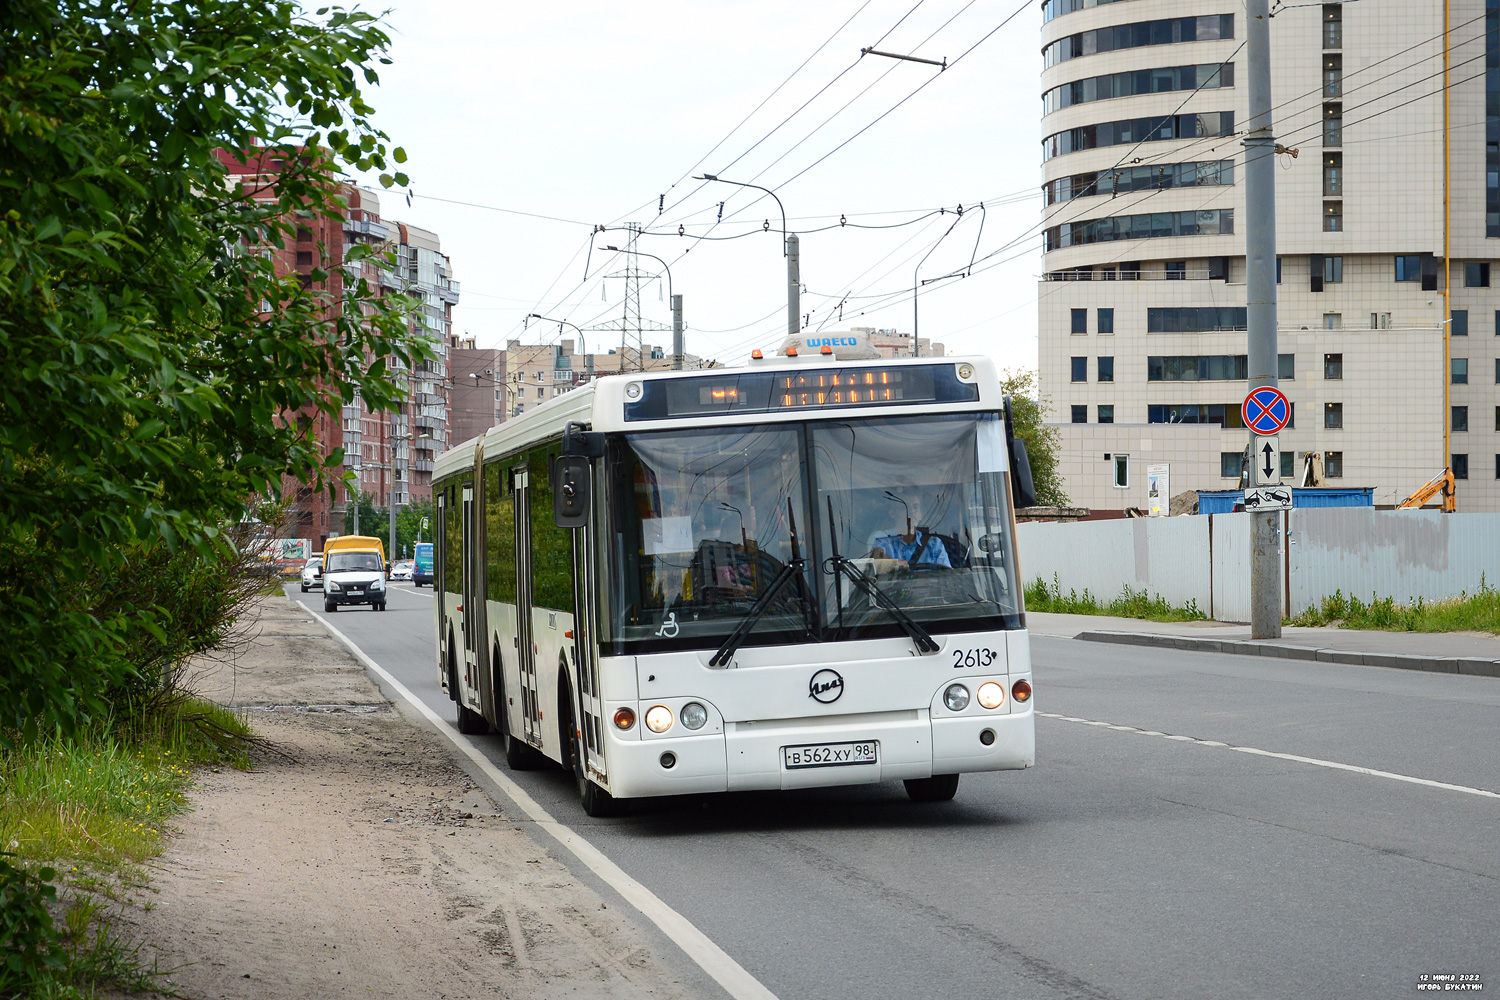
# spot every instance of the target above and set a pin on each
(1132, 862)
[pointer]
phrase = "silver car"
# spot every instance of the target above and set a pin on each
(312, 574)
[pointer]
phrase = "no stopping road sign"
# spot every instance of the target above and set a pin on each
(1266, 410)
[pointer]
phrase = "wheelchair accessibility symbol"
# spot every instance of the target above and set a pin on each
(668, 628)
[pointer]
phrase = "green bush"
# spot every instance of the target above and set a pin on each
(1130, 604)
(31, 951)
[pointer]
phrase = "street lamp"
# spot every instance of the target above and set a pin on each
(588, 361)
(789, 249)
(676, 308)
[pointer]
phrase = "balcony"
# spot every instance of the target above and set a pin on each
(448, 291)
(373, 230)
(431, 423)
(422, 465)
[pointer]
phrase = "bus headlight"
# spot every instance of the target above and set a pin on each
(658, 718)
(693, 715)
(624, 718)
(991, 694)
(956, 697)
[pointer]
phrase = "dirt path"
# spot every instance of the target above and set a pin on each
(368, 866)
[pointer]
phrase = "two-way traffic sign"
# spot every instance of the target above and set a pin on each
(1266, 462)
(1266, 410)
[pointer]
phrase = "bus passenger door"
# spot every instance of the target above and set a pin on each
(585, 652)
(471, 600)
(531, 720)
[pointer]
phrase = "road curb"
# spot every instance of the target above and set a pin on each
(1472, 666)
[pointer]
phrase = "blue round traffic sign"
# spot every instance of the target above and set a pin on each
(1266, 410)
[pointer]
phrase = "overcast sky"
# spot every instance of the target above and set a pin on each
(588, 112)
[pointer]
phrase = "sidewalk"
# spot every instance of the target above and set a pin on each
(1442, 652)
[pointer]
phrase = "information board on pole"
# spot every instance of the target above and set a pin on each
(1158, 491)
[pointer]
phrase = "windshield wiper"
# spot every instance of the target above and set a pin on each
(924, 641)
(792, 570)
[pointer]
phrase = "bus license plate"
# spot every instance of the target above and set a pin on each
(830, 754)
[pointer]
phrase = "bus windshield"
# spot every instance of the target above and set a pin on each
(892, 518)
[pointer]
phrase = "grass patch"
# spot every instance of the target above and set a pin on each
(1477, 612)
(1130, 604)
(86, 811)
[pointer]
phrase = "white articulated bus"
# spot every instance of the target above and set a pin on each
(797, 573)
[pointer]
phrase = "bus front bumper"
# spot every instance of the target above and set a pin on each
(751, 756)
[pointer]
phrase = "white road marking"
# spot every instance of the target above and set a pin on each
(698, 946)
(1372, 772)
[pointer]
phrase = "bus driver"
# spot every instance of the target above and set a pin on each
(917, 546)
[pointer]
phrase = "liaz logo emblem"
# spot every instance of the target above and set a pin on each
(825, 686)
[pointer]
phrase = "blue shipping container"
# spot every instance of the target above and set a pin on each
(1224, 501)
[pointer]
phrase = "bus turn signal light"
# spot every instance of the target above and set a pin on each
(1021, 690)
(624, 718)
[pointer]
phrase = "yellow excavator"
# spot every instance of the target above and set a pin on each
(1440, 483)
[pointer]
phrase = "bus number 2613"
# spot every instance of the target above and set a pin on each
(973, 658)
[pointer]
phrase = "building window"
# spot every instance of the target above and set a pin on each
(1409, 267)
(1333, 464)
(1288, 460)
(1333, 175)
(1380, 321)
(1122, 472)
(1106, 413)
(1230, 464)
(1106, 369)
(1080, 321)
(1080, 369)
(1333, 415)
(1130, 36)
(1460, 466)
(1459, 371)
(1333, 125)
(1212, 222)
(1497, 466)
(1333, 216)
(1333, 366)
(1497, 371)
(1130, 131)
(1333, 321)
(1106, 321)
(1226, 415)
(1333, 26)
(1460, 323)
(1477, 275)
(1286, 366)
(1460, 418)
(1155, 177)
(1080, 414)
(1333, 75)
(1333, 269)
(1497, 322)
(1176, 270)
(1195, 319)
(1160, 80)
(1278, 276)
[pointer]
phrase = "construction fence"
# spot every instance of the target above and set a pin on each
(1359, 551)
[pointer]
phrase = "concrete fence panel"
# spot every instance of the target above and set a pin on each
(1162, 556)
(1402, 554)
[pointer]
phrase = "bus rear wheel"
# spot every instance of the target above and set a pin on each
(938, 788)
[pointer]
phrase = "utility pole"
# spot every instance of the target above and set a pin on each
(677, 347)
(631, 326)
(1260, 292)
(395, 447)
(793, 285)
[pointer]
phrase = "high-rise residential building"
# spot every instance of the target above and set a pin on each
(1388, 228)
(389, 455)
(479, 388)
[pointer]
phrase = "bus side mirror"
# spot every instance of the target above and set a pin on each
(572, 480)
(1022, 489)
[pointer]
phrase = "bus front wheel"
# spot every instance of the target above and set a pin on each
(938, 788)
(595, 800)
